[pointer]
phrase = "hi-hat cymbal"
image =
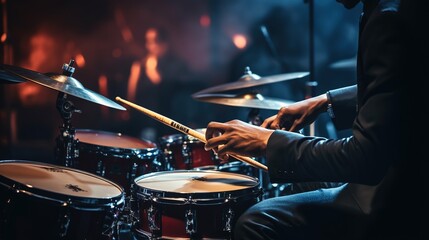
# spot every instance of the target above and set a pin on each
(62, 83)
(251, 80)
(250, 100)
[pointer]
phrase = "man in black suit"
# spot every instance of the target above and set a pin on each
(372, 161)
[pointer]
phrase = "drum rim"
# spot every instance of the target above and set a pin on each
(170, 196)
(118, 152)
(73, 201)
(177, 138)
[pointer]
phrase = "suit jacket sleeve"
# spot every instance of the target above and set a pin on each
(343, 106)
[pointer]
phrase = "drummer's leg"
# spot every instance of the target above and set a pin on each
(310, 215)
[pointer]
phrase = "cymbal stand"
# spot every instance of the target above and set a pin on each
(253, 117)
(66, 144)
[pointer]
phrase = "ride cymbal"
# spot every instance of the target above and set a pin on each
(250, 100)
(251, 80)
(62, 83)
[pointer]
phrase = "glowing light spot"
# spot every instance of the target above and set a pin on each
(205, 20)
(151, 71)
(133, 80)
(240, 41)
(151, 34)
(102, 84)
(3, 37)
(80, 60)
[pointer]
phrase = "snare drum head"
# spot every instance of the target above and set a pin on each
(33, 176)
(109, 139)
(191, 182)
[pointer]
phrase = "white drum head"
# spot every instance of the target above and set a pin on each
(59, 180)
(195, 181)
(108, 139)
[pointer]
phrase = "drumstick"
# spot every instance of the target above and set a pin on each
(182, 128)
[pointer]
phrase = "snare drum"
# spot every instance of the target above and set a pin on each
(115, 156)
(184, 152)
(191, 204)
(44, 201)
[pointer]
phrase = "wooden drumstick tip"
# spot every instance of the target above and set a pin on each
(118, 98)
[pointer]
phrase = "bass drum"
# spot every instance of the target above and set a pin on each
(44, 201)
(191, 204)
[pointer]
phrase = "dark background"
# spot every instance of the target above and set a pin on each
(110, 35)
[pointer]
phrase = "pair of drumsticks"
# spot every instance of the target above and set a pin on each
(184, 129)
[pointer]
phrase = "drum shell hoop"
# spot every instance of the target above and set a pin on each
(214, 198)
(133, 153)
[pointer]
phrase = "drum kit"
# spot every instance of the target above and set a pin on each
(105, 183)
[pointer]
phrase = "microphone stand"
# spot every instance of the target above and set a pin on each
(311, 83)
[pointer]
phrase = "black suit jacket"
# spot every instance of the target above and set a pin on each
(371, 155)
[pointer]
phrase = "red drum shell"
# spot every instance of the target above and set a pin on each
(191, 204)
(115, 156)
(183, 152)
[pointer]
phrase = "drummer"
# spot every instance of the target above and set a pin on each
(371, 160)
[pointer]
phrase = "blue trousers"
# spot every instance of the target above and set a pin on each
(330, 213)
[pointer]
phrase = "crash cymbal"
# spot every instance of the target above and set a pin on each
(251, 100)
(62, 83)
(7, 77)
(251, 80)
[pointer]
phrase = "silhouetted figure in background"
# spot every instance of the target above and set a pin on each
(156, 82)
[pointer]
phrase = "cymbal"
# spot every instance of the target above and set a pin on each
(62, 83)
(7, 77)
(344, 64)
(251, 100)
(250, 80)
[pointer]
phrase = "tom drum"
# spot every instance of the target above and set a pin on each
(191, 204)
(183, 152)
(115, 156)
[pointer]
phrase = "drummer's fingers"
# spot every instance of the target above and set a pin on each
(214, 129)
(222, 149)
(267, 122)
(214, 142)
(222, 152)
(224, 158)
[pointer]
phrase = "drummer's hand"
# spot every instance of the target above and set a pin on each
(236, 137)
(297, 115)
